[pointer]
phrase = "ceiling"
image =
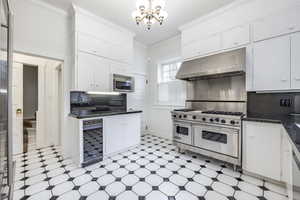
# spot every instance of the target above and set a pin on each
(119, 12)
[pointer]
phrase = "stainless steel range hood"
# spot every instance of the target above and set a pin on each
(224, 64)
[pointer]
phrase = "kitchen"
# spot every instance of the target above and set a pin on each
(204, 106)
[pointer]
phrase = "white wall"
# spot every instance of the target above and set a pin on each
(159, 119)
(42, 30)
(39, 29)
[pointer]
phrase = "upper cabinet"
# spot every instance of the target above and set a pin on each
(229, 39)
(271, 64)
(93, 73)
(237, 36)
(97, 44)
(295, 61)
(277, 24)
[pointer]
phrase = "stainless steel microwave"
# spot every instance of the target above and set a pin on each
(123, 83)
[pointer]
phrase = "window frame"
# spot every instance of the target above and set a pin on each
(158, 82)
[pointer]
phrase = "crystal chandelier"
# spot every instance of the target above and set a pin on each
(149, 12)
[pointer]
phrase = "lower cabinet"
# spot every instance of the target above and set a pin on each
(121, 132)
(266, 150)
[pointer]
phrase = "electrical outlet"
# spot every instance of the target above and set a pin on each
(285, 102)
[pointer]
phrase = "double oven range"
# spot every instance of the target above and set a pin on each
(216, 134)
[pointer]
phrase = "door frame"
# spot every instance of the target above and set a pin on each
(22, 58)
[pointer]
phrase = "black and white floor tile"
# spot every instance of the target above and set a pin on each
(151, 171)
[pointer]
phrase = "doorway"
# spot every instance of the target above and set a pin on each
(36, 100)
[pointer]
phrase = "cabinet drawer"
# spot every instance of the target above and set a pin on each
(277, 24)
(236, 37)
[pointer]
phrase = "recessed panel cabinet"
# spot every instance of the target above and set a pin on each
(92, 73)
(295, 61)
(271, 64)
(260, 156)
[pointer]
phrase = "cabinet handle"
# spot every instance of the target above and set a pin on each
(236, 43)
(291, 28)
(297, 79)
(283, 80)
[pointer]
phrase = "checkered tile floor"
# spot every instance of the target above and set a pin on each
(152, 171)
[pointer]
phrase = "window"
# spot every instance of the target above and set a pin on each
(170, 91)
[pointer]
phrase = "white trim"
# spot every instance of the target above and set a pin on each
(50, 7)
(214, 13)
(102, 20)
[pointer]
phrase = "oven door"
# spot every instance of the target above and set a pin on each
(182, 132)
(217, 139)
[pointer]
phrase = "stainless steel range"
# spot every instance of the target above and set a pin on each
(215, 134)
(216, 98)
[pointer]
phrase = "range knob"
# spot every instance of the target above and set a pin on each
(180, 116)
(203, 119)
(184, 116)
(232, 122)
(194, 117)
(217, 119)
(174, 116)
(211, 119)
(223, 121)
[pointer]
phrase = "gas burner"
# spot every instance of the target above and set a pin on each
(222, 113)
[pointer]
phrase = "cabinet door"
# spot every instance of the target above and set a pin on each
(260, 156)
(235, 37)
(286, 159)
(101, 75)
(208, 45)
(295, 62)
(114, 134)
(133, 129)
(271, 64)
(277, 24)
(93, 45)
(189, 50)
(85, 73)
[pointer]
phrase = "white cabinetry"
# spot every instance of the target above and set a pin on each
(277, 24)
(93, 73)
(260, 156)
(271, 64)
(236, 37)
(295, 61)
(229, 39)
(286, 160)
(97, 43)
(121, 132)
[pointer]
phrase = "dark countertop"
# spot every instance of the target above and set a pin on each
(288, 121)
(91, 114)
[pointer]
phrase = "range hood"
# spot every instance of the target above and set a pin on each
(219, 65)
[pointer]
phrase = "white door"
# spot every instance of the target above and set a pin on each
(85, 74)
(114, 134)
(17, 107)
(101, 75)
(295, 65)
(271, 68)
(260, 156)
